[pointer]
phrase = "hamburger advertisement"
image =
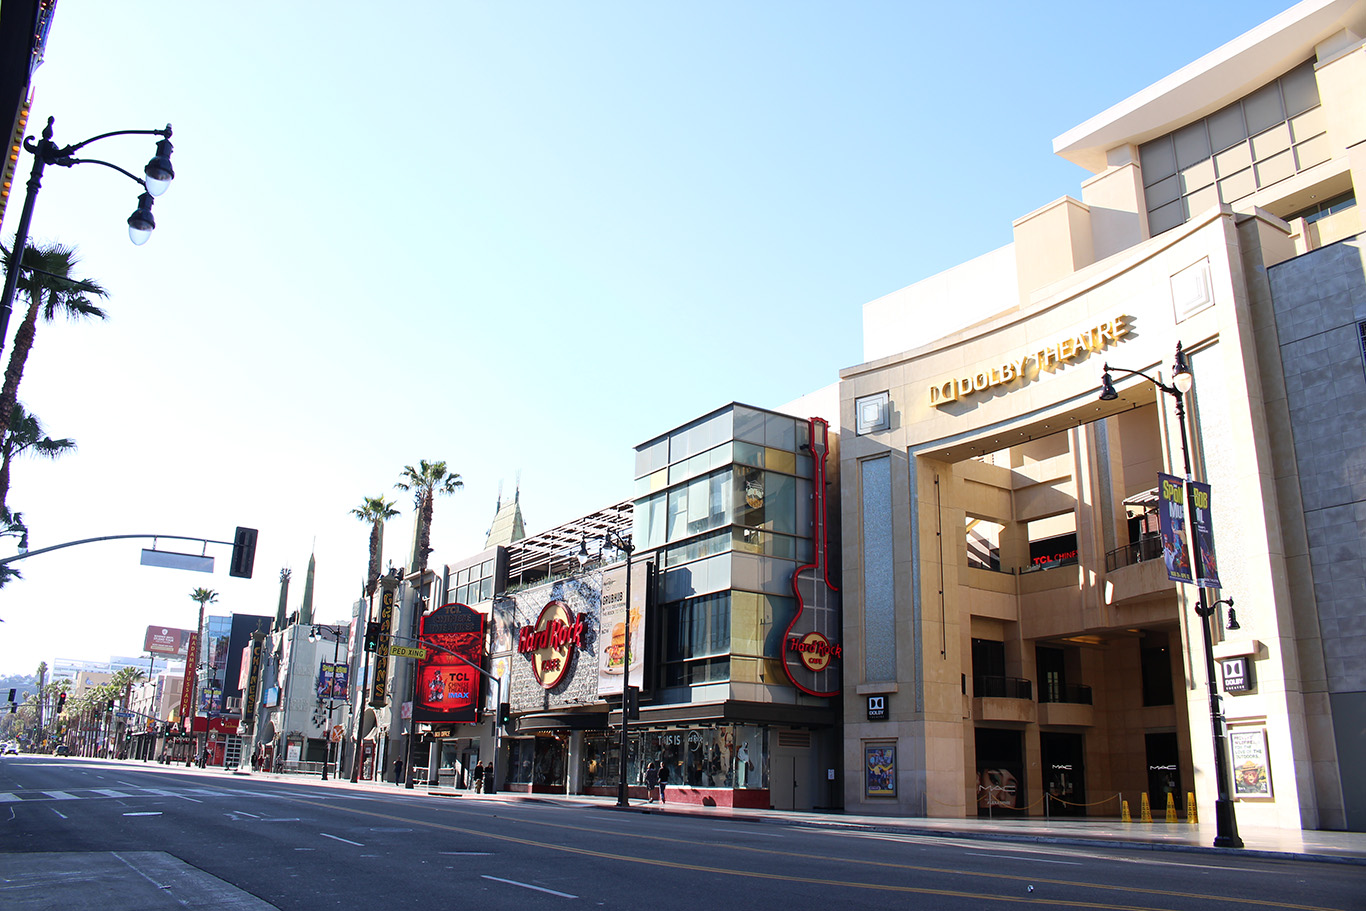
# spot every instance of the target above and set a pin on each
(616, 633)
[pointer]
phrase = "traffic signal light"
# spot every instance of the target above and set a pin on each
(504, 714)
(61, 701)
(372, 635)
(12, 692)
(243, 553)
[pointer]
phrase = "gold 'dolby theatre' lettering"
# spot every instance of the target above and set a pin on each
(1058, 351)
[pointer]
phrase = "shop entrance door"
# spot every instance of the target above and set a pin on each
(1064, 773)
(1164, 770)
(790, 782)
(1000, 772)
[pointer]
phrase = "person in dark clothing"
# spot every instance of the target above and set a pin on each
(488, 779)
(398, 771)
(478, 777)
(663, 780)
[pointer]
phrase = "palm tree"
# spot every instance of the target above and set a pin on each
(376, 511)
(12, 526)
(203, 596)
(26, 434)
(426, 481)
(47, 283)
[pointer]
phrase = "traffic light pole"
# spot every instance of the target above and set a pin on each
(243, 548)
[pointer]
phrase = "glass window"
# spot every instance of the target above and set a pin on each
(697, 627)
(1192, 145)
(1300, 88)
(749, 425)
(780, 460)
(1158, 160)
(652, 456)
(1226, 127)
(649, 518)
(749, 454)
(1263, 108)
(780, 432)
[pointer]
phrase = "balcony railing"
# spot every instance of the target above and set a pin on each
(1002, 688)
(1075, 694)
(1149, 547)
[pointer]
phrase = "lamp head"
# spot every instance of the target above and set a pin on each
(1232, 619)
(159, 172)
(141, 224)
(1107, 386)
(1181, 373)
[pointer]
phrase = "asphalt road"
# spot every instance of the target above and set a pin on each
(108, 836)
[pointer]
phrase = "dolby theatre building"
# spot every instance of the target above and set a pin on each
(1014, 642)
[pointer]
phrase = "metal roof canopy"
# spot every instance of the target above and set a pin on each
(556, 550)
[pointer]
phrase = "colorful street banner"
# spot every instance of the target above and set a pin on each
(332, 680)
(1171, 516)
(379, 693)
(188, 683)
(1202, 536)
(448, 690)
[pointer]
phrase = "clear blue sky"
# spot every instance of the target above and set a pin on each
(519, 237)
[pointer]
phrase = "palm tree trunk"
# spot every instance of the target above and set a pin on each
(424, 537)
(374, 559)
(23, 344)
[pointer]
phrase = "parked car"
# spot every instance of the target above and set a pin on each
(62, 750)
(11, 748)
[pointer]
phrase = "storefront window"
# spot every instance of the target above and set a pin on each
(536, 761)
(704, 756)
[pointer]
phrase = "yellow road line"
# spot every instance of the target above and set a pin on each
(753, 874)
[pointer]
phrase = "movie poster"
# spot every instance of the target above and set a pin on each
(879, 771)
(1251, 777)
(448, 689)
(1202, 537)
(1171, 516)
(332, 680)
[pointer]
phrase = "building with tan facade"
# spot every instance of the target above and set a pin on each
(1014, 643)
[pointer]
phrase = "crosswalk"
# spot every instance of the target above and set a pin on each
(35, 794)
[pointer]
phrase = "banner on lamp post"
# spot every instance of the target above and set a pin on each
(1202, 536)
(1171, 515)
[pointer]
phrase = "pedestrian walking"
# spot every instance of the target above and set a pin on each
(489, 786)
(663, 780)
(478, 777)
(398, 771)
(651, 780)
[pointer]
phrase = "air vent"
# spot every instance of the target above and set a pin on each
(794, 740)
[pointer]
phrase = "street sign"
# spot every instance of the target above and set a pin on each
(398, 651)
(123, 714)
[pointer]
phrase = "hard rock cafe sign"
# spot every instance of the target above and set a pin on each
(551, 642)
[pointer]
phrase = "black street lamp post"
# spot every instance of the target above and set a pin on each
(1226, 822)
(157, 177)
(624, 545)
(314, 635)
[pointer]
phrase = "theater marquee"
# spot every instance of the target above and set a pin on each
(1058, 351)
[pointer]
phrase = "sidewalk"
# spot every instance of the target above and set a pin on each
(1290, 844)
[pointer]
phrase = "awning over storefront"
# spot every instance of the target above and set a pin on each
(571, 721)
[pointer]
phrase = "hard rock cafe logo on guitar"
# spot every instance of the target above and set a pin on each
(814, 650)
(550, 642)
(811, 648)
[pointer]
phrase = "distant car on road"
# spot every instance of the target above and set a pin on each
(62, 750)
(11, 748)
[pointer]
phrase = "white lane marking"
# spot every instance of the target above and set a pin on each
(1032, 860)
(466, 853)
(146, 813)
(61, 795)
(6, 797)
(513, 882)
(190, 799)
(245, 813)
(109, 792)
(747, 832)
(339, 838)
(63, 815)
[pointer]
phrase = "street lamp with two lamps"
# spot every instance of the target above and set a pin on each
(316, 633)
(616, 541)
(1226, 823)
(156, 179)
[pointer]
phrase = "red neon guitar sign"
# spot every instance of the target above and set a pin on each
(811, 644)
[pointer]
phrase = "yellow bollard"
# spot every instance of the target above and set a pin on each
(1191, 816)
(1124, 811)
(1145, 809)
(1171, 807)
